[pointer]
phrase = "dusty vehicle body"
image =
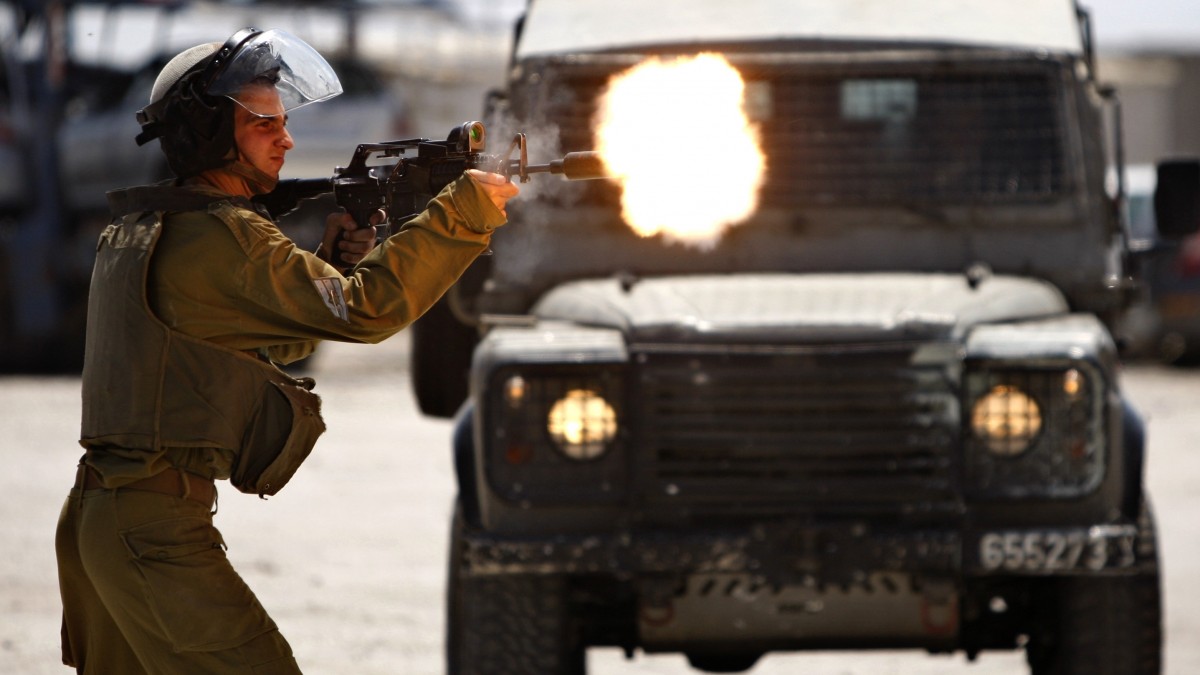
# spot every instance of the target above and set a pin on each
(884, 412)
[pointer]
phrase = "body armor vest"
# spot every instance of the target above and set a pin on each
(146, 386)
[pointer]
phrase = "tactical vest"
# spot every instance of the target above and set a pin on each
(146, 386)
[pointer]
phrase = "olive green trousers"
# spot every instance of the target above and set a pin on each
(146, 588)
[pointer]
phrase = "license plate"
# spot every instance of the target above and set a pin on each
(1096, 548)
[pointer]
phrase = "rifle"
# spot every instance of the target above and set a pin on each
(404, 188)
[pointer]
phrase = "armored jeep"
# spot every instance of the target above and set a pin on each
(884, 412)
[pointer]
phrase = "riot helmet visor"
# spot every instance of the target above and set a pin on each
(298, 72)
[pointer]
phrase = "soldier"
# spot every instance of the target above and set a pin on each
(195, 297)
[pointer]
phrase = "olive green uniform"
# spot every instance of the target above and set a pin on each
(187, 311)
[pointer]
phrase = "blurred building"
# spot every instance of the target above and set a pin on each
(1160, 94)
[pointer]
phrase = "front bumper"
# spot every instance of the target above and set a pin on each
(802, 586)
(785, 554)
(781, 554)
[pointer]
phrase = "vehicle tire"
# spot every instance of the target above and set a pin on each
(507, 624)
(441, 360)
(443, 342)
(1103, 625)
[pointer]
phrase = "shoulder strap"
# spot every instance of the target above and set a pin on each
(166, 198)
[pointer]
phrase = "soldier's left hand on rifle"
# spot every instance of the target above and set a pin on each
(498, 188)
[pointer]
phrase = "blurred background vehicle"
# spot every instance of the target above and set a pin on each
(98, 152)
(1164, 323)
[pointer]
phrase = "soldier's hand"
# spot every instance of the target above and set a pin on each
(346, 242)
(498, 188)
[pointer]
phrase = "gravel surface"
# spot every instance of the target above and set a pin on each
(350, 558)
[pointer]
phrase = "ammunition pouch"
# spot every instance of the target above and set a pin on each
(280, 435)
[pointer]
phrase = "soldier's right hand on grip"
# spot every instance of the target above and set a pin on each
(346, 242)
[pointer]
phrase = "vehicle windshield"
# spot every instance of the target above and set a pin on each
(887, 134)
(875, 160)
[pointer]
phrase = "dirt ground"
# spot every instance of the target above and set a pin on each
(350, 558)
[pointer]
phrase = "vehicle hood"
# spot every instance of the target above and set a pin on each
(772, 307)
(572, 26)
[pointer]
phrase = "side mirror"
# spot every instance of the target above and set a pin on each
(1177, 197)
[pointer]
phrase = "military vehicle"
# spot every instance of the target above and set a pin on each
(884, 412)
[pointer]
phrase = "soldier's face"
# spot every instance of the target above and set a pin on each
(262, 139)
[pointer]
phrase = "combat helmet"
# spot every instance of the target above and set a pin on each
(191, 102)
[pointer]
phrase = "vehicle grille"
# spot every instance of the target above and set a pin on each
(727, 430)
(869, 133)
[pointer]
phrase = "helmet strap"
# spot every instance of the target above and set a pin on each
(258, 181)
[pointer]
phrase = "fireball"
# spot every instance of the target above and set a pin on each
(676, 133)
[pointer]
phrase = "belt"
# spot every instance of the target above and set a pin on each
(174, 482)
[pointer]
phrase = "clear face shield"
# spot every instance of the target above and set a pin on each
(274, 58)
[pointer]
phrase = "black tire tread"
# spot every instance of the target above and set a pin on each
(508, 624)
(1104, 625)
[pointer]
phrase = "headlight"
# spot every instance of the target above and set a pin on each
(1007, 420)
(1034, 431)
(582, 424)
(553, 433)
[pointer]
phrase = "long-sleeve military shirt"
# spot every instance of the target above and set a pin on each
(252, 288)
(247, 286)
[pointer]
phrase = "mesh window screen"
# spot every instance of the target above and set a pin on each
(876, 133)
